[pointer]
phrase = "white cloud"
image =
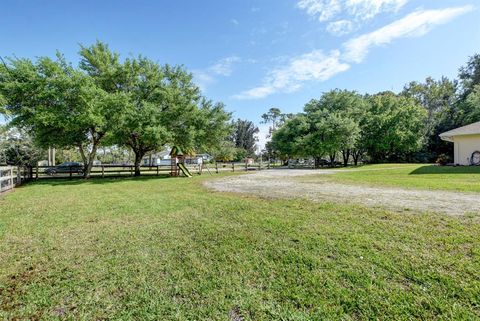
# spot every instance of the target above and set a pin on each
(311, 66)
(320, 67)
(340, 27)
(234, 21)
(326, 10)
(415, 24)
(323, 9)
(367, 9)
(223, 67)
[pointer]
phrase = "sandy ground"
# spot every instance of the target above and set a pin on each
(281, 183)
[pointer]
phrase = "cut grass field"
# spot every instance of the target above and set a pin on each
(411, 176)
(168, 249)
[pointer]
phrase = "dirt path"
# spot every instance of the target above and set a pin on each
(281, 184)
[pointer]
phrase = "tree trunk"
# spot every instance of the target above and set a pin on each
(88, 161)
(86, 173)
(138, 161)
(317, 162)
(355, 158)
(346, 157)
(332, 159)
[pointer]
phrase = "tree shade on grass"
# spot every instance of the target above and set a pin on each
(168, 249)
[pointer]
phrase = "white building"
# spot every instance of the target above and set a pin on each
(160, 158)
(163, 158)
(466, 142)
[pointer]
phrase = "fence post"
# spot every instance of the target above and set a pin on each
(19, 175)
(36, 172)
(216, 167)
(103, 171)
(131, 172)
(246, 166)
(233, 167)
(157, 171)
(70, 171)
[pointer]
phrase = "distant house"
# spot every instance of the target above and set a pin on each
(466, 142)
(163, 158)
(160, 158)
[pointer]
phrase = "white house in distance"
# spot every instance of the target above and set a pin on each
(466, 141)
(163, 158)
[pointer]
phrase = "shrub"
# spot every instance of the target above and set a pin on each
(443, 159)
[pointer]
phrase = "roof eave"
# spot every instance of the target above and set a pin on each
(446, 138)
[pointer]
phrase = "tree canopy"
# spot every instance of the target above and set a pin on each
(383, 125)
(244, 136)
(136, 103)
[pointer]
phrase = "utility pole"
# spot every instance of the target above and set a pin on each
(51, 156)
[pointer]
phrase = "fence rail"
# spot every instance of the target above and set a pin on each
(11, 176)
(108, 170)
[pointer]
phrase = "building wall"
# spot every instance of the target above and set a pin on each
(464, 147)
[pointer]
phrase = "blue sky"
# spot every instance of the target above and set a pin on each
(253, 55)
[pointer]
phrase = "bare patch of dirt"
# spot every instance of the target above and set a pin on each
(281, 183)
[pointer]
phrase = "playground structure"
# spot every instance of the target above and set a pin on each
(177, 163)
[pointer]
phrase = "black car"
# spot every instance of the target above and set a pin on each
(67, 167)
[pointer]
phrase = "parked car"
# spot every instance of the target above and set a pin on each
(67, 167)
(323, 162)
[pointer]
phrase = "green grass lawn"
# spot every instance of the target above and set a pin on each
(416, 176)
(167, 249)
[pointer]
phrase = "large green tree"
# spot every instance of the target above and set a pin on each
(287, 141)
(59, 105)
(439, 99)
(163, 104)
(394, 127)
(327, 126)
(338, 112)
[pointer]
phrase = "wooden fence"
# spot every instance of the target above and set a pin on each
(11, 176)
(99, 171)
(235, 167)
(102, 171)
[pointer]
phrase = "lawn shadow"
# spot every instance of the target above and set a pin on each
(93, 180)
(433, 169)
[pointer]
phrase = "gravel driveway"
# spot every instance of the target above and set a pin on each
(281, 183)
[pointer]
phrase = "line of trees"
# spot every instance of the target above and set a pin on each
(135, 103)
(383, 127)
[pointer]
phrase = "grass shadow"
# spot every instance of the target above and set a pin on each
(93, 180)
(432, 169)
